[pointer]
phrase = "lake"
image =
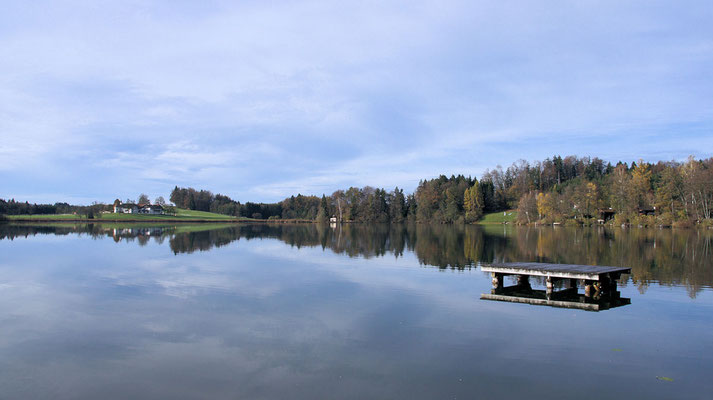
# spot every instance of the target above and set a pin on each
(344, 312)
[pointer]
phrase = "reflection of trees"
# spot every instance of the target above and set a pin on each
(670, 257)
(202, 240)
(139, 234)
(11, 232)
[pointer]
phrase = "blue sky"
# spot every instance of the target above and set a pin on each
(259, 100)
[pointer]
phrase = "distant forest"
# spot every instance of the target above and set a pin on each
(569, 190)
(12, 207)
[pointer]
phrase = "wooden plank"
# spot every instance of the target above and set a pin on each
(572, 271)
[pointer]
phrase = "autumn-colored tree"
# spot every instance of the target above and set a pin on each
(546, 205)
(473, 203)
(642, 194)
(586, 199)
(620, 191)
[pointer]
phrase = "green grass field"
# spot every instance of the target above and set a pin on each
(500, 217)
(180, 227)
(181, 214)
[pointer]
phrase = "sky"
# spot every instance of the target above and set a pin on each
(259, 100)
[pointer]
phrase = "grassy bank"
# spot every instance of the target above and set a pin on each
(181, 215)
(180, 227)
(500, 217)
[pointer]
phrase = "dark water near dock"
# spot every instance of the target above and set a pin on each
(358, 311)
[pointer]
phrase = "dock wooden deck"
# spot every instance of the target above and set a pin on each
(564, 271)
(599, 285)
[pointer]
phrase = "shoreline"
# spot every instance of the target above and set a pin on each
(174, 220)
(159, 220)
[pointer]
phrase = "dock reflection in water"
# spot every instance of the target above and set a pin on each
(599, 282)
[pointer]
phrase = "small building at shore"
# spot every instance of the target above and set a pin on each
(130, 208)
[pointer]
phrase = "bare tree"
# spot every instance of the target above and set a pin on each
(144, 199)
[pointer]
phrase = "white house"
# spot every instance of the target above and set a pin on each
(126, 208)
(151, 209)
(130, 208)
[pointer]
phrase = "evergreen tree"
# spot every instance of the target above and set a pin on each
(322, 215)
(397, 206)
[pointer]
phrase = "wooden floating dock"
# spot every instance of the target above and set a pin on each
(563, 271)
(599, 285)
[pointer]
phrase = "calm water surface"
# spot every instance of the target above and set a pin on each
(352, 312)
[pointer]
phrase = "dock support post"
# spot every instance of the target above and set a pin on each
(497, 280)
(588, 288)
(597, 290)
(550, 287)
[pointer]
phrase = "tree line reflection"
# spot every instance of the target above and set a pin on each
(670, 257)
